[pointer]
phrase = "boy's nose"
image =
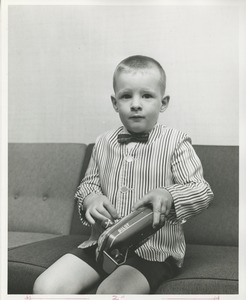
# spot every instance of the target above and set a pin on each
(136, 104)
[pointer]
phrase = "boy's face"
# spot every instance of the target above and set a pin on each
(139, 99)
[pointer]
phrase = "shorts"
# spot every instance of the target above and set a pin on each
(155, 272)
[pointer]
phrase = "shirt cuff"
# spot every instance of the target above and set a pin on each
(82, 210)
(176, 207)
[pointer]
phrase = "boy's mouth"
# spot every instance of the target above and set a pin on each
(136, 117)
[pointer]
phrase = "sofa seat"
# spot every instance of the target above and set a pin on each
(18, 238)
(27, 262)
(206, 270)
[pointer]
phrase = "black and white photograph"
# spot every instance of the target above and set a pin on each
(122, 150)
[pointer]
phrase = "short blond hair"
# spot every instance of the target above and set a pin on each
(138, 62)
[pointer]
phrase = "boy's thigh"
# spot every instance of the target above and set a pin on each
(138, 275)
(68, 275)
(124, 280)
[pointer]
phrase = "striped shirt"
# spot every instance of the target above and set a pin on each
(125, 173)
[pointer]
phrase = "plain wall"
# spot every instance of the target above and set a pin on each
(61, 61)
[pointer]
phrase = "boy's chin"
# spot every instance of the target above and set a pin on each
(138, 130)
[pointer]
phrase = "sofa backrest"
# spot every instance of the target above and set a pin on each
(44, 177)
(217, 225)
(42, 180)
(77, 227)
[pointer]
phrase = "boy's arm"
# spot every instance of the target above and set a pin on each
(89, 187)
(190, 192)
(92, 204)
(188, 195)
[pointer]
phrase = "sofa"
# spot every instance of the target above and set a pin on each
(43, 221)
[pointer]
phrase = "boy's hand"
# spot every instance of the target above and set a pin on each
(161, 202)
(99, 208)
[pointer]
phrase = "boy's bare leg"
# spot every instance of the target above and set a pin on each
(68, 275)
(124, 280)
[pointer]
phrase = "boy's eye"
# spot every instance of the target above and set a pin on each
(125, 96)
(147, 96)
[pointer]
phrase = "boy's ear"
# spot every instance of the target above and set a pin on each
(164, 103)
(114, 102)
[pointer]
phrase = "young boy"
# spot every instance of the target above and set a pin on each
(155, 165)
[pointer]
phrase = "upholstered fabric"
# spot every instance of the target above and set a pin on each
(77, 227)
(27, 262)
(196, 286)
(42, 182)
(44, 253)
(219, 224)
(207, 269)
(18, 238)
(21, 277)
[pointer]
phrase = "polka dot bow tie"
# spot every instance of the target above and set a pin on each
(126, 138)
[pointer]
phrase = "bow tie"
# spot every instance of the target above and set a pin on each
(126, 138)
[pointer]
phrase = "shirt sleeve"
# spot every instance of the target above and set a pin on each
(190, 192)
(89, 186)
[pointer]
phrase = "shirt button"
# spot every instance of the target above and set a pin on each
(129, 159)
(124, 189)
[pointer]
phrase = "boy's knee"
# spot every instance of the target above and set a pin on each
(104, 289)
(38, 286)
(108, 288)
(43, 286)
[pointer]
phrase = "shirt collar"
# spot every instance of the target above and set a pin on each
(153, 134)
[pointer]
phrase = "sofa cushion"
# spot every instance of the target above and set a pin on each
(27, 262)
(17, 238)
(21, 277)
(42, 181)
(77, 227)
(206, 270)
(196, 286)
(219, 224)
